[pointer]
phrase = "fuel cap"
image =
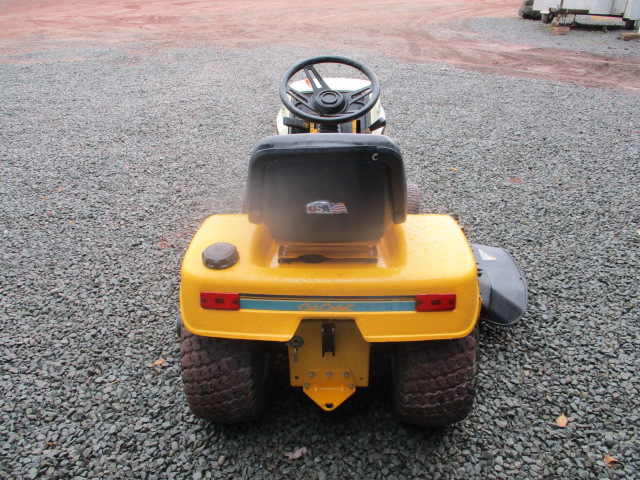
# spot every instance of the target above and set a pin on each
(220, 255)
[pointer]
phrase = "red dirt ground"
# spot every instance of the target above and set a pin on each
(412, 30)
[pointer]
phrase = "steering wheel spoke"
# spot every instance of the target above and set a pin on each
(313, 76)
(299, 96)
(359, 94)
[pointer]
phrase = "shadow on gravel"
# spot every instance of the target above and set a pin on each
(369, 410)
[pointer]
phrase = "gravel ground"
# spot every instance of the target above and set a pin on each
(592, 35)
(112, 157)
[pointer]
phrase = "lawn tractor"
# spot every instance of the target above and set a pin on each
(330, 256)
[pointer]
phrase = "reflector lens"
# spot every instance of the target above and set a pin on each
(437, 302)
(220, 301)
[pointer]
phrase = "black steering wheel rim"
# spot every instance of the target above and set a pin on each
(325, 98)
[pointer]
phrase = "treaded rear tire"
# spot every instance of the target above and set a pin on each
(413, 199)
(225, 381)
(435, 381)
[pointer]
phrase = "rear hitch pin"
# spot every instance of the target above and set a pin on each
(296, 342)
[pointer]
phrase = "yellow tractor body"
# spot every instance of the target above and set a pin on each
(364, 302)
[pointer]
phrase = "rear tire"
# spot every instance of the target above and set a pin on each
(225, 381)
(413, 199)
(435, 381)
(244, 207)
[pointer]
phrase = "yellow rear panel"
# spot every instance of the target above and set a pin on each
(428, 254)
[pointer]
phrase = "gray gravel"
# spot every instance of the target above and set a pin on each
(591, 35)
(111, 158)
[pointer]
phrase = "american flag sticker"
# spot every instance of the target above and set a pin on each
(324, 207)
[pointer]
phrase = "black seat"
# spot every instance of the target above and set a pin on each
(326, 188)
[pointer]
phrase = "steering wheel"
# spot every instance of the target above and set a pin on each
(329, 106)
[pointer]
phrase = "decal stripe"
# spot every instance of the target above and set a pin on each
(313, 305)
(315, 298)
(324, 306)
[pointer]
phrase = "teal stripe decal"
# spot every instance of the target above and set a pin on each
(322, 306)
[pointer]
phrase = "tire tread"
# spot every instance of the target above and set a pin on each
(414, 199)
(435, 381)
(225, 381)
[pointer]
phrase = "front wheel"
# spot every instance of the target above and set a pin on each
(435, 381)
(225, 381)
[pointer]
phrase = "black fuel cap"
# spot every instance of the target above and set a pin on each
(220, 255)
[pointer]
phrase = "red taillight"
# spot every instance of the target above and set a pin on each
(436, 302)
(220, 301)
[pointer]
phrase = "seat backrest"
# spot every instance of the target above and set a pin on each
(326, 188)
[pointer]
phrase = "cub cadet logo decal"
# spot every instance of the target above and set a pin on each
(326, 307)
(324, 207)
